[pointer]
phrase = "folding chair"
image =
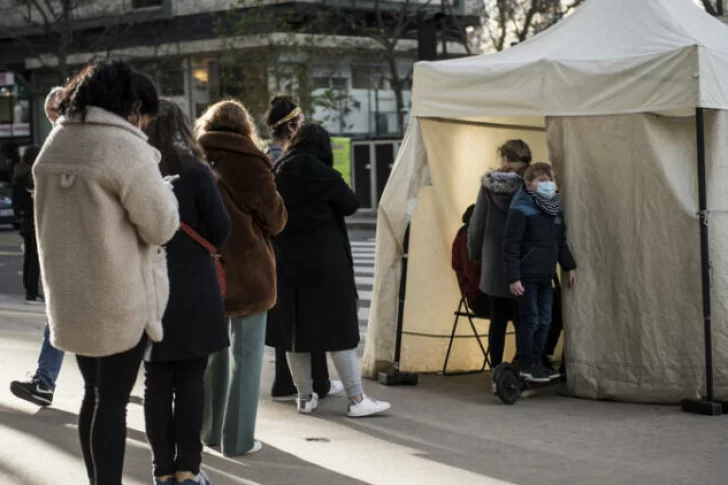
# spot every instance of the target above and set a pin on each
(464, 311)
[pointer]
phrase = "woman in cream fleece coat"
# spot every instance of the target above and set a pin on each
(102, 213)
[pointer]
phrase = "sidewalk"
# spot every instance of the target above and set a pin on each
(447, 430)
(364, 219)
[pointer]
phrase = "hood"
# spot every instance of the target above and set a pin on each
(502, 186)
(302, 178)
(502, 182)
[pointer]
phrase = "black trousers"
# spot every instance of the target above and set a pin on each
(108, 382)
(502, 311)
(283, 384)
(173, 407)
(31, 266)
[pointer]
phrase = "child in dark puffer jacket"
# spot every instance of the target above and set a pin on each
(535, 241)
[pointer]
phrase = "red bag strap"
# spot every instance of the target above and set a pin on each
(199, 239)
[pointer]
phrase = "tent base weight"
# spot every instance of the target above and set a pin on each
(703, 406)
(396, 378)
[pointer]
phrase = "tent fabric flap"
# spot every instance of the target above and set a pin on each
(633, 323)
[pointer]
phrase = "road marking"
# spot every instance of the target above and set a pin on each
(10, 253)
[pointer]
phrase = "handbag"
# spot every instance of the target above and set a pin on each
(213, 252)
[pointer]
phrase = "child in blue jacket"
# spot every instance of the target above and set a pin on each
(535, 241)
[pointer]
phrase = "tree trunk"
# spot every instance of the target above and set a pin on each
(396, 87)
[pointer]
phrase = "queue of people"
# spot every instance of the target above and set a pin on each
(514, 237)
(134, 209)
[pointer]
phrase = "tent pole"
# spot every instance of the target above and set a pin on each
(708, 405)
(394, 377)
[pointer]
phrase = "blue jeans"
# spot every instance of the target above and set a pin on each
(232, 387)
(49, 361)
(535, 307)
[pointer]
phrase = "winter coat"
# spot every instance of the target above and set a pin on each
(468, 273)
(23, 198)
(487, 228)
(275, 151)
(317, 309)
(257, 213)
(534, 242)
(102, 212)
(194, 322)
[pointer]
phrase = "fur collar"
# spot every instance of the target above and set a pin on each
(231, 142)
(502, 182)
(99, 116)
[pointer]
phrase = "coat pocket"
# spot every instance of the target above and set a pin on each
(158, 293)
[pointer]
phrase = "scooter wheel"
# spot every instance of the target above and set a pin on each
(508, 383)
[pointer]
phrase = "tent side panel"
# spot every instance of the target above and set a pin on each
(458, 155)
(396, 207)
(717, 174)
(633, 323)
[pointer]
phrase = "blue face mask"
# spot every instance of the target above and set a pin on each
(546, 190)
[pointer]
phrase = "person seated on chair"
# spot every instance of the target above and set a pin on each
(468, 272)
(535, 241)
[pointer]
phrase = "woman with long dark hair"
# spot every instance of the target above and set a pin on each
(485, 240)
(317, 296)
(194, 322)
(228, 136)
(102, 212)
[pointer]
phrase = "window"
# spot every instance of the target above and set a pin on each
(138, 4)
(339, 83)
(172, 82)
(361, 77)
(320, 82)
(325, 82)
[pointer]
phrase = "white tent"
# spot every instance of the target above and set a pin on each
(609, 95)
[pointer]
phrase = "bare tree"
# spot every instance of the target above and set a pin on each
(379, 36)
(269, 49)
(513, 21)
(53, 28)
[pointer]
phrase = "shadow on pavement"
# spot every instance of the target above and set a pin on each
(547, 439)
(55, 428)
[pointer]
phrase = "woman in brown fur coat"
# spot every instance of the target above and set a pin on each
(228, 136)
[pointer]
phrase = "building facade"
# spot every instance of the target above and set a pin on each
(342, 76)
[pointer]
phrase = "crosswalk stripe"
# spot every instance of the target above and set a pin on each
(364, 254)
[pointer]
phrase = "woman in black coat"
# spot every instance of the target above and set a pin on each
(317, 297)
(194, 322)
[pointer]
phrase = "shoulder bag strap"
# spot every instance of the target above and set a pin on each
(199, 239)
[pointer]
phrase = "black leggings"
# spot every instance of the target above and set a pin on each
(283, 383)
(108, 382)
(173, 407)
(502, 311)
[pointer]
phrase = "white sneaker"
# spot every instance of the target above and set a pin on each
(337, 387)
(257, 446)
(367, 407)
(493, 387)
(306, 406)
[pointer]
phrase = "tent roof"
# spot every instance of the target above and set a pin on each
(609, 57)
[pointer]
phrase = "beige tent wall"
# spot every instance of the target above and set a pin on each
(457, 154)
(634, 321)
(396, 207)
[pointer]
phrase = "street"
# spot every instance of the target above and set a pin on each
(447, 430)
